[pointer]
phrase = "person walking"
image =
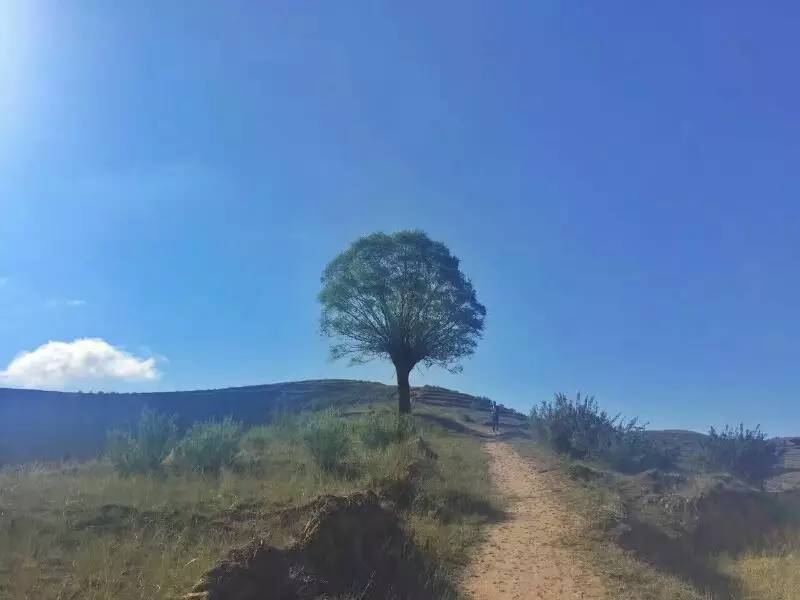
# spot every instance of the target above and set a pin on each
(495, 417)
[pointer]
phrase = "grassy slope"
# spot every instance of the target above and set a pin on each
(80, 531)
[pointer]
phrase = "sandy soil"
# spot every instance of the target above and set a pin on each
(524, 556)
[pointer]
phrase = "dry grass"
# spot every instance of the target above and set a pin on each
(767, 575)
(83, 532)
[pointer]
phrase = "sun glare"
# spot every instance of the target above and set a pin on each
(17, 18)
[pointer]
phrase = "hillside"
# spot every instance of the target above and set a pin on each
(688, 443)
(303, 504)
(46, 425)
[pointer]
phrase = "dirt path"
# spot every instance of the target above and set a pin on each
(524, 556)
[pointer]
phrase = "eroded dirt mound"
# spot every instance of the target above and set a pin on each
(352, 547)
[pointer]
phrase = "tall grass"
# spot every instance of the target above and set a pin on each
(209, 446)
(378, 429)
(327, 437)
(143, 450)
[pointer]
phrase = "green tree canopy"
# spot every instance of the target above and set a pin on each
(402, 297)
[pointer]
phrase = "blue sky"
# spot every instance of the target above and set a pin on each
(620, 181)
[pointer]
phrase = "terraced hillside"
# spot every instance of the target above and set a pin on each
(434, 395)
(788, 477)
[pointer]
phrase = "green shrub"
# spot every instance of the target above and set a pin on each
(144, 450)
(286, 424)
(257, 439)
(327, 438)
(209, 446)
(581, 430)
(744, 452)
(629, 450)
(379, 429)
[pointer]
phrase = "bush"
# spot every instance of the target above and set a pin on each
(209, 446)
(744, 452)
(581, 430)
(327, 438)
(379, 429)
(630, 450)
(144, 450)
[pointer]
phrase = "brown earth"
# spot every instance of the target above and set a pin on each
(526, 557)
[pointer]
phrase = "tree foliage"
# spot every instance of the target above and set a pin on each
(402, 297)
(745, 452)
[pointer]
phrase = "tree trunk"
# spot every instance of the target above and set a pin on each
(403, 389)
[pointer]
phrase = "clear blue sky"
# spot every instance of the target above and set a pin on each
(620, 181)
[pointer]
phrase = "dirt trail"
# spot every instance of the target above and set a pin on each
(524, 556)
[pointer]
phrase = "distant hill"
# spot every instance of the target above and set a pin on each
(45, 425)
(787, 475)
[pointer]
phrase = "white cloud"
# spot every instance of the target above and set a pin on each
(57, 365)
(70, 302)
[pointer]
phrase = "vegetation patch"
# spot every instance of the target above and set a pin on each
(746, 453)
(327, 437)
(208, 447)
(581, 430)
(767, 574)
(144, 449)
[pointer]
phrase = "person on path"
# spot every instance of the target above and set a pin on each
(495, 417)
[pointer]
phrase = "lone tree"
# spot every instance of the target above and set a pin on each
(402, 297)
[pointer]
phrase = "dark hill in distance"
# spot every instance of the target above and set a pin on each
(46, 425)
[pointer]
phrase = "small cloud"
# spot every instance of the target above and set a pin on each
(56, 365)
(69, 302)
